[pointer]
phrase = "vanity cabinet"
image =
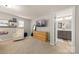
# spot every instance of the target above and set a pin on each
(65, 35)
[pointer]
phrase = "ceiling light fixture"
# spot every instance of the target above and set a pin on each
(7, 6)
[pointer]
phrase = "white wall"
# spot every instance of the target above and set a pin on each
(5, 16)
(77, 29)
(27, 27)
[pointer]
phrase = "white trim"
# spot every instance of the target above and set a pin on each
(73, 30)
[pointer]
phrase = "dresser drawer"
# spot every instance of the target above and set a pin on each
(40, 35)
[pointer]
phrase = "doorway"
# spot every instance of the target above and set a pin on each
(65, 29)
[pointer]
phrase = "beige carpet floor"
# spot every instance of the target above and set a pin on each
(33, 46)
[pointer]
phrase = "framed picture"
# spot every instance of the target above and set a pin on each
(41, 23)
(60, 25)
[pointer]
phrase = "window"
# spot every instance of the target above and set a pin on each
(68, 17)
(59, 19)
(20, 23)
(3, 22)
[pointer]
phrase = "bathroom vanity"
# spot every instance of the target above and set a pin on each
(65, 35)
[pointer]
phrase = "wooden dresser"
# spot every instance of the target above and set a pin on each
(43, 36)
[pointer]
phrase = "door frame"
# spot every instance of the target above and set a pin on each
(73, 29)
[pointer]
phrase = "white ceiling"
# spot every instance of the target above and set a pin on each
(30, 11)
